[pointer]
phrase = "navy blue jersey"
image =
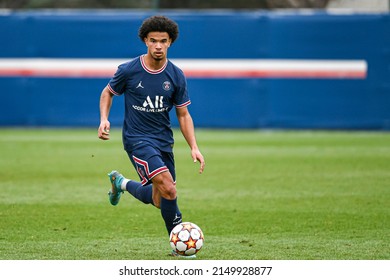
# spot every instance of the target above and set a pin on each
(149, 96)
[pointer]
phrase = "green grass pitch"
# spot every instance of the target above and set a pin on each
(269, 195)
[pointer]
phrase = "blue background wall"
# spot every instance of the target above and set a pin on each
(226, 103)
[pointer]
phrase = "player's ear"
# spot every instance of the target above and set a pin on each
(146, 41)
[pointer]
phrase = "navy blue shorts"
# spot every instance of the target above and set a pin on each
(149, 162)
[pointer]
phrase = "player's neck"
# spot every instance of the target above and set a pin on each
(154, 64)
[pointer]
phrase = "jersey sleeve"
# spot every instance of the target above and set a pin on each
(117, 84)
(181, 97)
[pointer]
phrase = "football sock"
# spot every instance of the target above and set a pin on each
(170, 213)
(140, 192)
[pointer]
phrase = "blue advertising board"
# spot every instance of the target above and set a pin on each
(244, 69)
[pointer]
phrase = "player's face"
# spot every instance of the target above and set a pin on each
(158, 44)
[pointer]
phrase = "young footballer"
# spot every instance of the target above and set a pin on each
(152, 86)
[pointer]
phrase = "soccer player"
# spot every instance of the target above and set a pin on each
(152, 86)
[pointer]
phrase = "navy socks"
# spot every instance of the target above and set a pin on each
(140, 192)
(170, 213)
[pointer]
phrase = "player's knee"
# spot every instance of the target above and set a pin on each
(171, 192)
(168, 190)
(165, 185)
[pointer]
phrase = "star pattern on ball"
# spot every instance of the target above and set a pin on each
(191, 243)
(175, 238)
(187, 227)
(186, 239)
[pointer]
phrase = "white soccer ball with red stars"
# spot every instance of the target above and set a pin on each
(186, 239)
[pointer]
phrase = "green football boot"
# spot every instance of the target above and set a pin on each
(115, 193)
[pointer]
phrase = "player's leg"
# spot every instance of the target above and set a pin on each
(120, 184)
(159, 168)
(164, 195)
(141, 190)
(148, 162)
(154, 166)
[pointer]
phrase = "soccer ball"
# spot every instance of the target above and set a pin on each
(186, 239)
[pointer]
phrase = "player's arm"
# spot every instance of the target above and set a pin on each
(188, 131)
(105, 106)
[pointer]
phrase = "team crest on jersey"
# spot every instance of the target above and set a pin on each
(166, 85)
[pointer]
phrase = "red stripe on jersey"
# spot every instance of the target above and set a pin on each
(111, 90)
(152, 71)
(184, 104)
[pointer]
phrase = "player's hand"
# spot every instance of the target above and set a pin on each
(104, 130)
(197, 156)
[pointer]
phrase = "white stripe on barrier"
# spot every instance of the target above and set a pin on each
(193, 68)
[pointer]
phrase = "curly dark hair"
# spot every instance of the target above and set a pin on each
(159, 24)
